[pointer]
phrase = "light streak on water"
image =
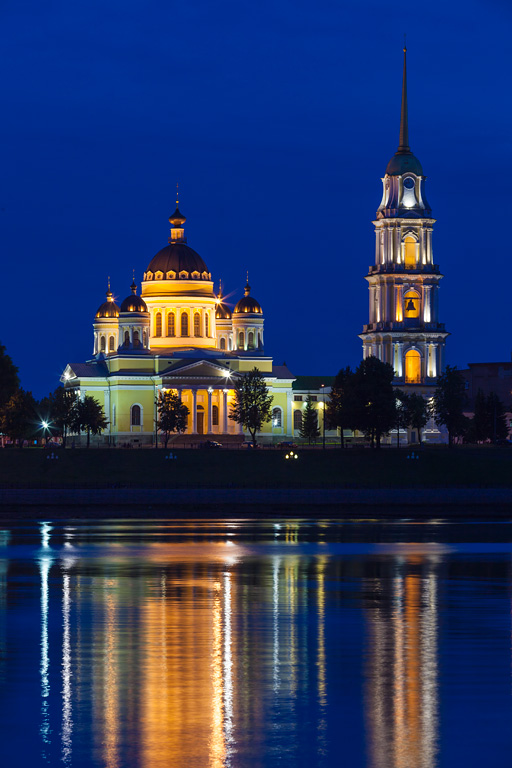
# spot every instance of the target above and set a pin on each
(67, 719)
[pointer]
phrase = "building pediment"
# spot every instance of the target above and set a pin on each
(200, 370)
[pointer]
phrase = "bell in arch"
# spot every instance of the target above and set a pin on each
(410, 306)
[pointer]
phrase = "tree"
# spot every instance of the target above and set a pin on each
(172, 414)
(374, 411)
(419, 412)
(480, 426)
(88, 416)
(489, 421)
(9, 381)
(341, 406)
(449, 401)
(18, 417)
(62, 404)
(402, 413)
(309, 430)
(253, 404)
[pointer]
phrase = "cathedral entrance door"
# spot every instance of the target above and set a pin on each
(200, 421)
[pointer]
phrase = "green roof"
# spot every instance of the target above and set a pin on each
(307, 383)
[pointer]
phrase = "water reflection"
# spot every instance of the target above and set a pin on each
(402, 666)
(229, 647)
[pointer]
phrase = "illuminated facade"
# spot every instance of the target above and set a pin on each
(404, 328)
(179, 334)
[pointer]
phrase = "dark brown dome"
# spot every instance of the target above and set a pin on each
(248, 304)
(178, 257)
(222, 312)
(109, 308)
(134, 304)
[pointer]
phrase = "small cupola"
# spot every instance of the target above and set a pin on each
(177, 221)
(109, 308)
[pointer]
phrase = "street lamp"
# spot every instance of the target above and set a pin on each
(322, 387)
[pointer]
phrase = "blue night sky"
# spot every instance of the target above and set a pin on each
(278, 120)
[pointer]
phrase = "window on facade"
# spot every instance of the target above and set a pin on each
(250, 340)
(223, 343)
(184, 324)
(277, 418)
(410, 252)
(102, 344)
(126, 339)
(158, 324)
(135, 415)
(171, 326)
(412, 367)
(145, 339)
(114, 415)
(241, 340)
(197, 324)
(136, 339)
(298, 398)
(314, 398)
(297, 419)
(215, 415)
(206, 325)
(411, 304)
(111, 344)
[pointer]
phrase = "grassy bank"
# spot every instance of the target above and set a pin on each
(435, 468)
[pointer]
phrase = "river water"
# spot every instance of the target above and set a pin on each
(243, 643)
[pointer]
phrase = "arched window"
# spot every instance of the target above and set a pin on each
(215, 415)
(171, 324)
(158, 324)
(206, 324)
(412, 367)
(250, 340)
(241, 340)
(197, 324)
(135, 420)
(411, 304)
(136, 339)
(111, 344)
(184, 324)
(126, 342)
(277, 419)
(230, 343)
(297, 419)
(145, 339)
(223, 343)
(102, 344)
(410, 252)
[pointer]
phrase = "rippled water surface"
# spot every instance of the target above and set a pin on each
(243, 643)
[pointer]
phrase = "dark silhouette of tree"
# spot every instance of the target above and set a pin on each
(253, 403)
(449, 402)
(374, 399)
(19, 417)
(419, 412)
(402, 413)
(309, 430)
(341, 403)
(88, 417)
(497, 418)
(9, 381)
(57, 411)
(489, 421)
(172, 414)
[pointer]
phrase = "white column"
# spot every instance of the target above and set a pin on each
(400, 368)
(194, 411)
(426, 303)
(225, 411)
(434, 359)
(210, 391)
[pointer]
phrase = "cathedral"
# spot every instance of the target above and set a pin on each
(180, 334)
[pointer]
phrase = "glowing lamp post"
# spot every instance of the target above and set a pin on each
(322, 387)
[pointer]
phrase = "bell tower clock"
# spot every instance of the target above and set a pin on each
(404, 328)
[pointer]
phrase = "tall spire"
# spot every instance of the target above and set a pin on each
(404, 125)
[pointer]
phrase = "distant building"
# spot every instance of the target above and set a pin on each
(490, 377)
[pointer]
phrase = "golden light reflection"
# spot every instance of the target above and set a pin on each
(320, 658)
(217, 743)
(111, 704)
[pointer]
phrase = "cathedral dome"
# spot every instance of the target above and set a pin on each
(404, 162)
(109, 308)
(177, 258)
(223, 312)
(248, 304)
(134, 303)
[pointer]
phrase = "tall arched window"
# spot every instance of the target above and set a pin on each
(223, 343)
(241, 340)
(297, 419)
(277, 419)
(145, 339)
(102, 344)
(413, 367)
(111, 344)
(171, 324)
(250, 340)
(197, 324)
(411, 304)
(410, 252)
(206, 324)
(184, 324)
(126, 342)
(158, 324)
(215, 415)
(136, 339)
(135, 421)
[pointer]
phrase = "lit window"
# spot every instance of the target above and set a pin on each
(111, 344)
(250, 340)
(410, 252)
(277, 417)
(102, 344)
(223, 343)
(241, 340)
(197, 324)
(215, 415)
(206, 325)
(184, 324)
(412, 367)
(158, 324)
(171, 329)
(297, 419)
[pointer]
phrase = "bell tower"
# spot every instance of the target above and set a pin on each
(404, 328)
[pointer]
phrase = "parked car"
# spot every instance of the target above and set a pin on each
(287, 444)
(211, 444)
